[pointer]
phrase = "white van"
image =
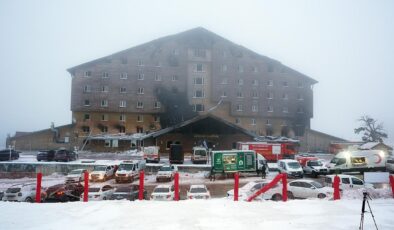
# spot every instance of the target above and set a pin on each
(129, 170)
(347, 182)
(358, 161)
(291, 167)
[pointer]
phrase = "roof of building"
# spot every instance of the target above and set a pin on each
(325, 134)
(197, 37)
(371, 145)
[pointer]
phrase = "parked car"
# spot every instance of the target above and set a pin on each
(76, 175)
(102, 173)
(65, 155)
(128, 193)
(151, 154)
(390, 164)
(163, 192)
(347, 182)
(129, 170)
(166, 172)
(22, 193)
(308, 189)
(291, 167)
(64, 192)
(198, 192)
(252, 187)
(96, 193)
(46, 155)
(6, 155)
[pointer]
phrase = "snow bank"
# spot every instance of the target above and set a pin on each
(213, 214)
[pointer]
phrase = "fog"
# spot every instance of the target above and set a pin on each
(345, 45)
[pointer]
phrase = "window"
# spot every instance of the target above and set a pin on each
(270, 109)
(156, 118)
(199, 67)
(140, 118)
(237, 120)
(270, 68)
(345, 180)
(300, 85)
(86, 117)
(240, 81)
(123, 90)
(122, 104)
(157, 104)
(300, 97)
(104, 129)
(223, 68)
(270, 95)
(270, 83)
(124, 60)
(122, 117)
(255, 69)
(140, 130)
(255, 108)
(87, 89)
(199, 93)
(104, 89)
(198, 107)
(240, 69)
(268, 122)
(140, 76)
(157, 77)
(285, 96)
(300, 110)
(105, 75)
(224, 81)
(285, 109)
(140, 105)
(88, 73)
(285, 84)
(86, 129)
(140, 91)
(104, 117)
(357, 181)
(122, 129)
(253, 121)
(175, 78)
(240, 94)
(239, 107)
(199, 53)
(104, 103)
(198, 80)
(255, 82)
(168, 144)
(123, 75)
(158, 64)
(86, 102)
(223, 54)
(224, 94)
(255, 94)
(140, 63)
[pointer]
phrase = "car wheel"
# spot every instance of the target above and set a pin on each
(314, 174)
(29, 199)
(104, 198)
(321, 195)
(290, 195)
(276, 197)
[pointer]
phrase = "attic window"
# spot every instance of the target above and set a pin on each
(199, 53)
(88, 73)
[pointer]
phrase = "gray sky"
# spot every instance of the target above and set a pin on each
(348, 46)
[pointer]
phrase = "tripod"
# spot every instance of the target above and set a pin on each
(365, 200)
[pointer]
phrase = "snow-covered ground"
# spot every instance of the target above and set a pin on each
(213, 214)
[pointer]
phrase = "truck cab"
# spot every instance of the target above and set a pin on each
(200, 155)
(129, 170)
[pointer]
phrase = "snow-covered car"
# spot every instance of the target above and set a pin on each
(308, 189)
(99, 193)
(166, 173)
(291, 167)
(347, 182)
(127, 193)
(102, 173)
(198, 192)
(22, 193)
(163, 192)
(76, 175)
(274, 193)
(64, 192)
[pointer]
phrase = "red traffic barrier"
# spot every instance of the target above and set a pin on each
(86, 186)
(176, 186)
(265, 188)
(38, 188)
(141, 189)
(337, 194)
(284, 187)
(236, 186)
(392, 184)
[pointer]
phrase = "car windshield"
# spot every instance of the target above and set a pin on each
(161, 190)
(100, 168)
(165, 168)
(315, 163)
(338, 161)
(123, 189)
(79, 171)
(94, 189)
(249, 185)
(198, 190)
(200, 152)
(149, 151)
(126, 167)
(317, 184)
(293, 165)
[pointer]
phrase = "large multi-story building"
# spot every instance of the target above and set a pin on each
(195, 74)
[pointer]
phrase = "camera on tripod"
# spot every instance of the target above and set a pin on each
(365, 200)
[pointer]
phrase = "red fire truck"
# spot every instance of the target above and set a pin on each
(272, 151)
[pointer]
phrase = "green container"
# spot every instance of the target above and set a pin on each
(234, 161)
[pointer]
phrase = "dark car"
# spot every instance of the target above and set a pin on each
(7, 154)
(46, 155)
(64, 192)
(65, 155)
(127, 193)
(1, 195)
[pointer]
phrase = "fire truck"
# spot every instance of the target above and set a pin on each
(272, 151)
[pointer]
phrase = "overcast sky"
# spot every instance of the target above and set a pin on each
(348, 46)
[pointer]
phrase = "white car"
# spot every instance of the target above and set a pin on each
(308, 189)
(76, 175)
(166, 172)
(198, 192)
(347, 182)
(252, 187)
(100, 193)
(291, 167)
(163, 192)
(22, 193)
(102, 173)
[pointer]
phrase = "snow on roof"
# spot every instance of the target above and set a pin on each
(369, 145)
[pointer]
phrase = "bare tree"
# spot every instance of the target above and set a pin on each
(371, 129)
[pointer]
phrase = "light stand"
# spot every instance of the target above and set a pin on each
(365, 200)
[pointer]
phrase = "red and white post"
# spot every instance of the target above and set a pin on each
(38, 188)
(236, 186)
(392, 184)
(86, 186)
(284, 187)
(141, 189)
(337, 194)
(176, 186)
